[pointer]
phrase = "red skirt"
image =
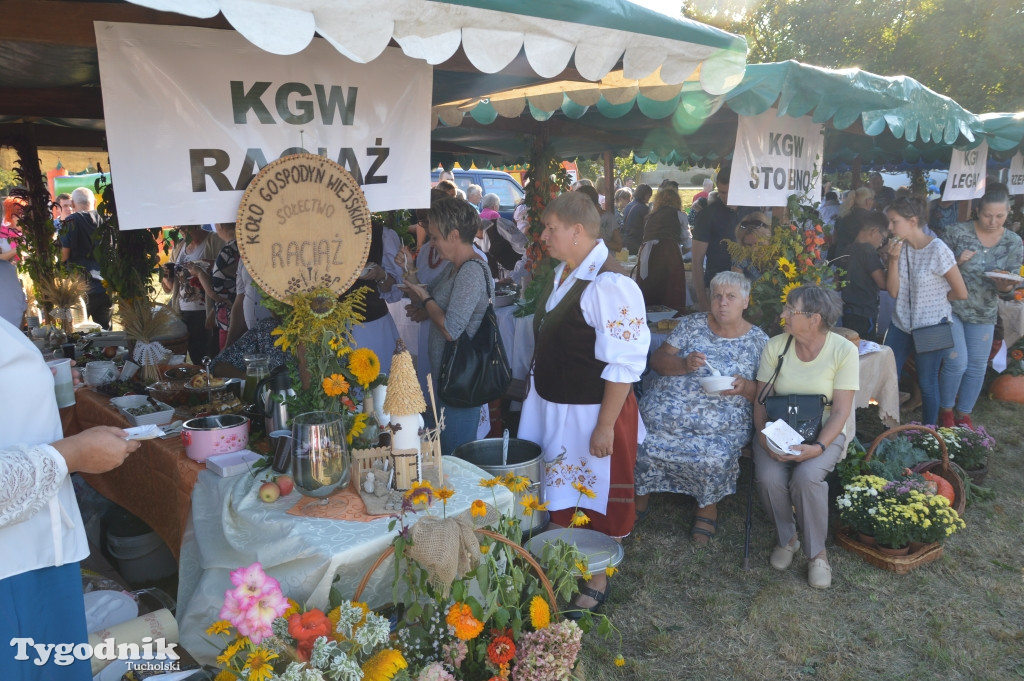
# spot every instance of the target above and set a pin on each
(621, 512)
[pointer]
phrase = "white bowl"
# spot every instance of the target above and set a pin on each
(156, 418)
(715, 384)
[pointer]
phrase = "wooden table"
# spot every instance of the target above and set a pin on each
(155, 482)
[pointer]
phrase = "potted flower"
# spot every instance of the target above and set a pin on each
(859, 503)
(968, 447)
(1009, 385)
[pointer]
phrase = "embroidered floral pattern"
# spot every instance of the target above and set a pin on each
(562, 473)
(627, 326)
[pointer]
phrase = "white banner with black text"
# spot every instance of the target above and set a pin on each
(967, 174)
(776, 157)
(192, 115)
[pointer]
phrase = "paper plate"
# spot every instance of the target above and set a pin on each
(600, 550)
(107, 608)
(1005, 275)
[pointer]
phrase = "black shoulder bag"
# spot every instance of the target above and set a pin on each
(927, 338)
(475, 371)
(803, 413)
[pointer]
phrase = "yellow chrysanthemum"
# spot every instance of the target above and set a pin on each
(282, 341)
(515, 483)
(787, 288)
(421, 493)
(611, 570)
(358, 426)
(219, 627)
(579, 519)
(584, 490)
(540, 613)
(225, 675)
(490, 482)
(257, 665)
(478, 509)
(335, 385)
(383, 665)
(620, 661)
(460, 617)
(531, 503)
(583, 568)
(445, 493)
(787, 268)
(484, 548)
(364, 365)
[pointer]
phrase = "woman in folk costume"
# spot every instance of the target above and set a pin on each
(591, 345)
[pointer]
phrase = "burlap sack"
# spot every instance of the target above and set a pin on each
(447, 548)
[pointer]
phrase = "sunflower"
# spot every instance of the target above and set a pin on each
(322, 303)
(219, 627)
(257, 665)
(620, 661)
(584, 490)
(478, 509)
(531, 503)
(515, 483)
(583, 568)
(335, 385)
(384, 665)
(232, 650)
(460, 617)
(787, 288)
(293, 608)
(359, 422)
(225, 675)
(364, 365)
(579, 519)
(490, 482)
(787, 268)
(421, 493)
(540, 613)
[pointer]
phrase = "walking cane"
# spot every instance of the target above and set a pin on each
(750, 510)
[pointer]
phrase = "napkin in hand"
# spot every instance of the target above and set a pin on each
(781, 437)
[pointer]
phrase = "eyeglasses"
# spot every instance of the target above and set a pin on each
(789, 309)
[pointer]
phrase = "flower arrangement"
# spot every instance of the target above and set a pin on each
(967, 447)
(791, 258)
(511, 632)
(270, 637)
(897, 512)
(333, 374)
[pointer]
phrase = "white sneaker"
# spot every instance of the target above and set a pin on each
(819, 574)
(782, 556)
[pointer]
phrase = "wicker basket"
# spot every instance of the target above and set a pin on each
(942, 468)
(545, 582)
(901, 565)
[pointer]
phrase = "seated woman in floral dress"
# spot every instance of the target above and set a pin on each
(693, 438)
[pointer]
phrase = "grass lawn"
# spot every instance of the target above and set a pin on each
(690, 612)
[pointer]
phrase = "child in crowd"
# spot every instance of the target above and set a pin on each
(865, 275)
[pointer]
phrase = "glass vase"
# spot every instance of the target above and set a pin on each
(320, 457)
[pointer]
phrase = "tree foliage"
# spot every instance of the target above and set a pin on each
(964, 50)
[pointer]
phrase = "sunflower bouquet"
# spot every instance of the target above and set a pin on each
(793, 257)
(269, 637)
(333, 373)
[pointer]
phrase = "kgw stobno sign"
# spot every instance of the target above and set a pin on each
(774, 158)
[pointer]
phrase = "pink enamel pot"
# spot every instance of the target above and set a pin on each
(210, 435)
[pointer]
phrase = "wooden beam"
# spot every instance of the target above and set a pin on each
(56, 137)
(60, 22)
(73, 102)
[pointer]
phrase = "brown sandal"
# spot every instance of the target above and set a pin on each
(710, 534)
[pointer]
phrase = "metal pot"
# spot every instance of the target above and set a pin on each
(209, 435)
(525, 458)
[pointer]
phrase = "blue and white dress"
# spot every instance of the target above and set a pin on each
(694, 439)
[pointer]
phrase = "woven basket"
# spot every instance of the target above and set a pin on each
(901, 565)
(942, 467)
(545, 582)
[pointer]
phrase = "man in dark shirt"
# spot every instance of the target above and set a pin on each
(633, 217)
(715, 223)
(865, 276)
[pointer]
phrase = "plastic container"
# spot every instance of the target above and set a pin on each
(157, 418)
(203, 437)
(138, 552)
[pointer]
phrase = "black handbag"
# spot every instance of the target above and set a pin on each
(928, 338)
(475, 370)
(803, 413)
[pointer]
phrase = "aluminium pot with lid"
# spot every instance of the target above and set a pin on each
(524, 458)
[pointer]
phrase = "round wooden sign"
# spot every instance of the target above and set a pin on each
(303, 224)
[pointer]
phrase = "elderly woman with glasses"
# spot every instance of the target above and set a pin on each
(693, 438)
(814, 361)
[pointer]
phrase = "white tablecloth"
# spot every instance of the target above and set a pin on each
(230, 528)
(517, 336)
(1012, 314)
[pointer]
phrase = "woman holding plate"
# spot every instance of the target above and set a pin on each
(989, 257)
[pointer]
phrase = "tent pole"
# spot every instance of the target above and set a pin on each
(608, 190)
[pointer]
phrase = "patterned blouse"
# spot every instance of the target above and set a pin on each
(982, 305)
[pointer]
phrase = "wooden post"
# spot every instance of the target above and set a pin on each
(855, 171)
(609, 181)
